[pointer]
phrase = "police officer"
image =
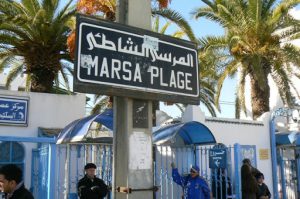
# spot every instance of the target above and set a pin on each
(91, 187)
(194, 186)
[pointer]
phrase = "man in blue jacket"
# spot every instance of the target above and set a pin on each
(194, 186)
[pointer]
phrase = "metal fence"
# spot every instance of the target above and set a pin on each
(288, 172)
(70, 166)
(220, 181)
(56, 169)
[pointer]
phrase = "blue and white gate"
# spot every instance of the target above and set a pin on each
(288, 161)
(43, 162)
(184, 157)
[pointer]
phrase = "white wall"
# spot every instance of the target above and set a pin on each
(244, 132)
(44, 110)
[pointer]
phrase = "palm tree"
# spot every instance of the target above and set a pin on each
(256, 44)
(33, 37)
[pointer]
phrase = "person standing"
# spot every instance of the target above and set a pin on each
(254, 170)
(263, 190)
(249, 184)
(91, 187)
(194, 186)
(12, 184)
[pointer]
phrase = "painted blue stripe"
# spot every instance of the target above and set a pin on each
(283, 179)
(28, 139)
(51, 171)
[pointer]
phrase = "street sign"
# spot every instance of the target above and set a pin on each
(217, 158)
(119, 60)
(13, 111)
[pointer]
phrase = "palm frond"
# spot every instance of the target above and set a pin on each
(178, 20)
(16, 70)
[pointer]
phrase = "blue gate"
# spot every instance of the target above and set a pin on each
(226, 181)
(71, 159)
(288, 161)
(39, 173)
(42, 164)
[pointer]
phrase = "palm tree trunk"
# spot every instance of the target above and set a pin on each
(42, 81)
(260, 94)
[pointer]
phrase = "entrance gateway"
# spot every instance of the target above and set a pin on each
(127, 63)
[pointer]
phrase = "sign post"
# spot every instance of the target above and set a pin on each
(133, 162)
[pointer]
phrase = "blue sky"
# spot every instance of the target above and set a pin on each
(203, 27)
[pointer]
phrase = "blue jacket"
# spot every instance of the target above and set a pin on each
(193, 188)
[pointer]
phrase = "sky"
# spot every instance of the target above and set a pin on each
(201, 28)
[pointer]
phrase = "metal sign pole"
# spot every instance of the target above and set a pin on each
(133, 170)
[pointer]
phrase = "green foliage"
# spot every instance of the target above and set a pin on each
(257, 43)
(33, 33)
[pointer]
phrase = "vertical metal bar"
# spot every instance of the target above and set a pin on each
(51, 169)
(166, 172)
(103, 161)
(172, 184)
(161, 172)
(201, 157)
(231, 169)
(177, 162)
(283, 181)
(237, 149)
(298, 172)
(195, 155)
(206, 163)
(67, 172)
(154, 168)
(32, 171)
(274, 158)
(58, 184)
(226, 183)
(11, 152)
(78, 147)
(215, 182)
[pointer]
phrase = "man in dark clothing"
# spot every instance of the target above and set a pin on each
(91, 187)
(263, 190)
(11, 183)
(254, 170)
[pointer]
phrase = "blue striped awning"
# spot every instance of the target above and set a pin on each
(176, 135)
(77, 130)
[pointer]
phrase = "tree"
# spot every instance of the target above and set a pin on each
(33, 37)
(256, 44)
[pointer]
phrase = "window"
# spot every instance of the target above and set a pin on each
(12, 153)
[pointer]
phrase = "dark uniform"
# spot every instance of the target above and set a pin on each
(91, 188)
(21, 193)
